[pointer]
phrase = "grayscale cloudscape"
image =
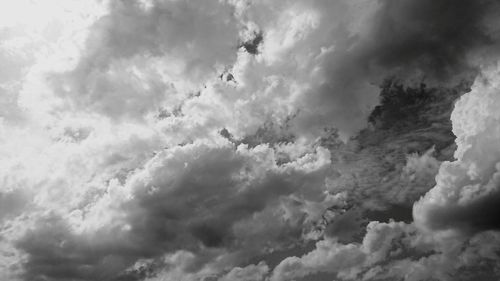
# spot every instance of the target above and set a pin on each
(249, 140)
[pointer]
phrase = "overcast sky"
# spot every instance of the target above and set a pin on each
(249, 140)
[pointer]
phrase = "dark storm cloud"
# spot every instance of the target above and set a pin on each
(478, 215)
(431, 39)
(55, 253)
(440, 43)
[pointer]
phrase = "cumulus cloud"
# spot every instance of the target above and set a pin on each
(136, 56)
(344, 51)
(396, 251)
(248, 273)
(186, 198)
(318, 63)
(249, 140)
(347, 260)
(466, 192)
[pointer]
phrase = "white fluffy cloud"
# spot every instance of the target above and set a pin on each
(248, 273)
(466, 194)
(347, 260)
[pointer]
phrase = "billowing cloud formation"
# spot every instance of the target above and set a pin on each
(249, 140)
(344, 259)
(396, 251)
(355, 48)
(466, 195)
(197, 198)
(147, 57)
(136, 53)
(249, 273)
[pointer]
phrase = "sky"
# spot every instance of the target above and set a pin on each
(249, 140)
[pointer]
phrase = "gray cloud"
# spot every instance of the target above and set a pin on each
(188, 140)
(134, 54)
(190, 198)
(466, 194)
(438, 42)
(433, 39)
(387, 167)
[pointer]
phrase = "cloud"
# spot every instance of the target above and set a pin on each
(12, 203)
(248, 273)
(185, 198)
(466, 192)
(340, 53)
(392, 163)
(346, 260)
(179, 140)
(394, 251)
(138, 57)
(430, 38)
(320, 63)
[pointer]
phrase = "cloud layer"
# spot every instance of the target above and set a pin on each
(249, 140)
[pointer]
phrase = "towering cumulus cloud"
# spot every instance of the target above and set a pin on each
(466, 194)
(249, 140)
